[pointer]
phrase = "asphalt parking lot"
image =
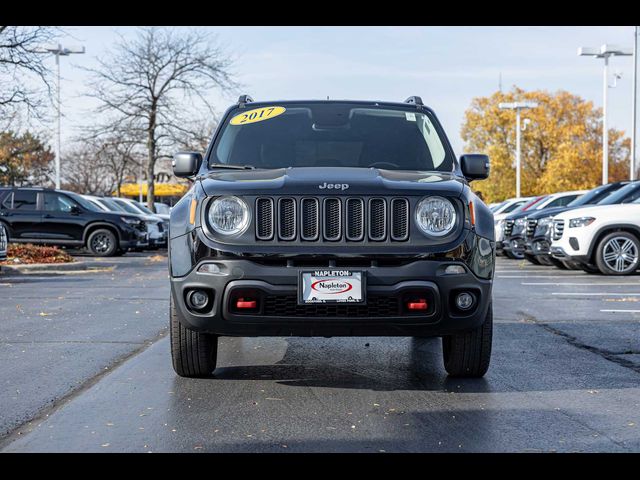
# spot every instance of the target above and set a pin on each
(85, 366)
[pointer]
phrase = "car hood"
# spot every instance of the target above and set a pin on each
(330, 181)
(550, 212)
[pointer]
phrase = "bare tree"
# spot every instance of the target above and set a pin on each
(20, 65)
(84, 170)
(147, 82)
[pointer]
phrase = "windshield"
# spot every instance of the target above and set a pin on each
(127, 207)
(82, 201)
(162, 208)
(144, 209)
(514, 206)
(111, 205)
(593, 196)
(626, 194)
(332, 135)
(497, 206)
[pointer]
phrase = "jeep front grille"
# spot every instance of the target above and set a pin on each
(332, 219)
(558, 229)
(531, 228)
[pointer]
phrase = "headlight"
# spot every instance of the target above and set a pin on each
(130, 220)
(228, 215)
(580, 222)
(436, 216)
(545, 222)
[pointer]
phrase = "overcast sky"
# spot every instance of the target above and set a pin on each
(446, 66)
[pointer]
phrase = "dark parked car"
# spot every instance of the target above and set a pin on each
(57, 217)
(537, 235)
(3, 242)
(331, 218)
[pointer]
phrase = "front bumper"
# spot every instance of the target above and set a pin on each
(277, 285)
(514, 244)
(537, 246)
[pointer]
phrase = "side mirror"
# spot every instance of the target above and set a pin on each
(474, 166)
(75, 210)
(186, 164)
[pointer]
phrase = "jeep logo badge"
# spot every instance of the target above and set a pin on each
(333, 186)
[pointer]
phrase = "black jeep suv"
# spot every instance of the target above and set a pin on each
(57, 217)
(331, 218)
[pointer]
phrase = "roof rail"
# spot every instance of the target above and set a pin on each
(244, 99)
(414, 99)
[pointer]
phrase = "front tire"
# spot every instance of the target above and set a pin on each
(532, 259)
(102, 243)
(468, 354)
(193, 354)
(618, 253)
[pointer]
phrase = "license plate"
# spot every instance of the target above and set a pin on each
(331, 286)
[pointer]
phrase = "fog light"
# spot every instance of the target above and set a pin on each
(198, 299)
(454, 270)
(464, 301)
(211, 269)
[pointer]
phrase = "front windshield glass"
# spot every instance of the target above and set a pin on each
(84, 202)
(592, 196)
(111, 205)
(142, 207)
(127, 207)
(332, 135)
(627, 193)
(513, 207)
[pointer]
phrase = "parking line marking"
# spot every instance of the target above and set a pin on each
(541, 276)
(620, 311)
(572, 284)
(599, 294)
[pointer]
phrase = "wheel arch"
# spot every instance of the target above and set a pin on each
(604, 231)
(93, 226)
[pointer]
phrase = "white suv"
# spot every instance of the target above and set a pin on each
(606, 236)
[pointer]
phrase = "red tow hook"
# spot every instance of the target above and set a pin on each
(420, 304)
(242, 303)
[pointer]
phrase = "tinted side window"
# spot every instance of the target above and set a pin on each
(54, 202)
(6, 203)
(562, 201)
(24, 200)
(632, 196)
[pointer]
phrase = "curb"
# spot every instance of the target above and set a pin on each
(54, 267)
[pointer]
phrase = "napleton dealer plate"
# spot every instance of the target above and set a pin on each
(331, 286)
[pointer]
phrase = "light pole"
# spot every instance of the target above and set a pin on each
(58, 50)
(634, 115)
(517, 106)
(605, 51)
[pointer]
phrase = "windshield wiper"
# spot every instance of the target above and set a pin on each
(233, 167)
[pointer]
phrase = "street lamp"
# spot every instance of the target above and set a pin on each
(58, 50)
(517, 106)
(605, 51)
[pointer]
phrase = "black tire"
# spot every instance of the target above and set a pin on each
(514, 256)
(102, 243)
(558, 263)
(468, 354)
(618, 262)
(532, 259)
(589, 268)
(193, 354)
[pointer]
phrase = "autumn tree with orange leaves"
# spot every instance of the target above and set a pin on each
(561, 148)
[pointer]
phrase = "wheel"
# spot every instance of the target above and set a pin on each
(514, 255)
(193, 354)
(617, 253)
(468, 354)
(532, 258)
(102, 243)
